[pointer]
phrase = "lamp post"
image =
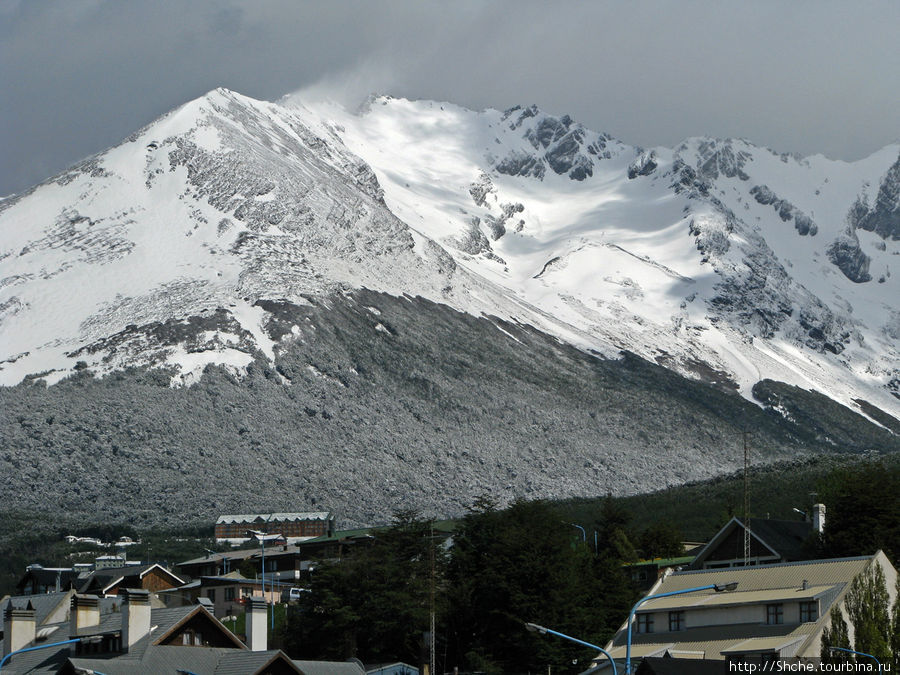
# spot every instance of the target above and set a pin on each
(533, 627)
(262, 537)
(718, 588)
(583, 533)
(852, 651)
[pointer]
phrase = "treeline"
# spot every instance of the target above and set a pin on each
(505, 567)
(529, 563)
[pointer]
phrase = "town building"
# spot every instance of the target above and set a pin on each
(771, 541)
(114, 580)
(233, 529)
(775, 611)
(227, 595)
(140, 639)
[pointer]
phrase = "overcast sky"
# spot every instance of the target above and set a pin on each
(77, 76)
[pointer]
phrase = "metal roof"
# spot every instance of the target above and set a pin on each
(827, 580)
(251, 518)
(765, 577)
(762, 644)
(734, 598)
(329, 668)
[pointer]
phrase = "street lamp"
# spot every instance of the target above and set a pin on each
(718, 588)
(851, 651)
(262, 537)
(583, 533)
(534, 628)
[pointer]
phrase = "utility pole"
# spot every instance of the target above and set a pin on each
(431, 639)
(746, 499)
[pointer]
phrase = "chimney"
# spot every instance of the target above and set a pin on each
(257, 638)
(18, 627)
(135, 616)
(819, 518)
(84, 613)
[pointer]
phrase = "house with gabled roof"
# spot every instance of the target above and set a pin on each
(139, 639)
(771, 541)
(776, 611)
(49, 608)
(39, 579)
(114, 580)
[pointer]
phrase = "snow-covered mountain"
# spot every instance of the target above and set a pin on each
(718, 259)
(333, 267)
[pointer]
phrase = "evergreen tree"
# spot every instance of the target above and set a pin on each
(522, 565)
(895, 632)
(863, 511)
(835, 635)
(612, 531)
(868, 605)
(375, 604)
(660, 540)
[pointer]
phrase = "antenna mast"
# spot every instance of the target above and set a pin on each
(746, 499)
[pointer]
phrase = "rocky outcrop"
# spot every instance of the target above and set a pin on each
(717, 158)
(884, 218)
(846, 253)
(519, 163)
(643, 165)
(562, 142)
(481, 188)
(786, 211)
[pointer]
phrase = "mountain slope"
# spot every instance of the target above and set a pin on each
(420, 303)
(383, 403)
(718, 253)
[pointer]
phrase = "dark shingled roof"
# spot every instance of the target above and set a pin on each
(102, 579)
(660, 665)
(43, 603)
(49, 577)
(785, 536)
(174, 658)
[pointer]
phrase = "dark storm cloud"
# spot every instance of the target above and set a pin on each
(79, 75)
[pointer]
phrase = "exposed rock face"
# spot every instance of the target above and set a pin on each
(884, 218)
(519, 163)
(849, 258)
(481, 188)
(644, 165)
(719, 158)
(786, 211)
(564, 145)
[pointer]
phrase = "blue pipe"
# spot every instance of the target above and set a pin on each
(32, 649)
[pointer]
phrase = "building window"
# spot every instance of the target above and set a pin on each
(229, 594)
(775, 614)
(676, 620)
(645, 623)
(809, 611)
(211, 594)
